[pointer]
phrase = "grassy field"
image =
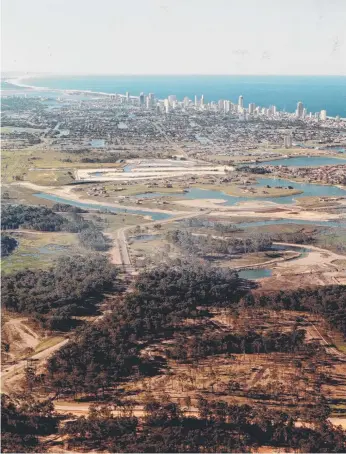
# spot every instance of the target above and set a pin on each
(332, 240)
(50, 177)
(33, 164)
(38, 250)
(252, 191)
(260, 153)
(47, 343)
(5, 130)
(111, 222)
(138, 189)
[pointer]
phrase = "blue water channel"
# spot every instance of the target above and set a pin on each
(156, 216)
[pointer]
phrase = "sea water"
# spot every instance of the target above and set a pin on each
(316, 92)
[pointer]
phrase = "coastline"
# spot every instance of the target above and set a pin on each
(17, 82)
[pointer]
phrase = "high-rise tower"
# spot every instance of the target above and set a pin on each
(300, 109)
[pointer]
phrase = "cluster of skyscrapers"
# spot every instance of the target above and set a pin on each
(223, 105)
(301, 112)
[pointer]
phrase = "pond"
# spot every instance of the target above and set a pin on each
(128, 168)
(308, 190)
(122, 125)
(98, 143)
(259, 273)
(336, 148)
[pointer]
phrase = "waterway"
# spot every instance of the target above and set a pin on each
(156, 216)
(196, 193)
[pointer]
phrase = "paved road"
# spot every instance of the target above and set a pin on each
(120, 252)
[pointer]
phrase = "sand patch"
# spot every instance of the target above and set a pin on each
(201, 203)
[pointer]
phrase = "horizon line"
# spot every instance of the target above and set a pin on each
(36, 73)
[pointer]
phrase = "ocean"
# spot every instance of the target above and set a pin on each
(316, 92)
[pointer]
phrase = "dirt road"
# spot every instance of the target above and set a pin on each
(82, 409)
(316, 334)
(22, 338)
(13, 372)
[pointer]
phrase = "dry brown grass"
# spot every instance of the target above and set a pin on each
(280, 380)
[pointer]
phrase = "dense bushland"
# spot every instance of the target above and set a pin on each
(193, 347)
(23, 422)
(31, 217)
(72, 287)
(207, 244)
(328, 301)
(47, 220)
(218, 427)
(66, 208)
(104, 352)
(8, 244)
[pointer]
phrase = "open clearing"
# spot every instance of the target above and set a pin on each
(38, 249)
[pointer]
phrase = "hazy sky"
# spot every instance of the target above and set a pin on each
(174, 36)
